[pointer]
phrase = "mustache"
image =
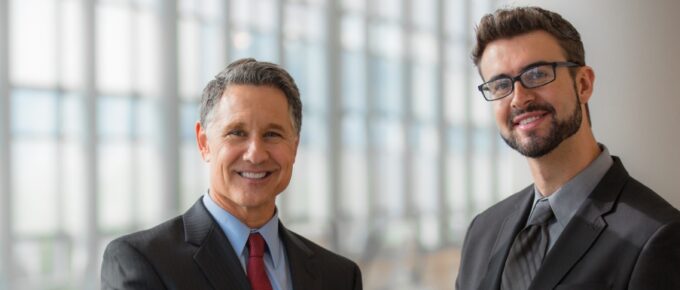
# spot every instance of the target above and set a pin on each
(530, 108)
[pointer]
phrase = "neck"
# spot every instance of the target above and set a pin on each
(253, 217)
(552, 171)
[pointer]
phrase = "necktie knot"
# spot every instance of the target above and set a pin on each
(542, 213)
(256, 245)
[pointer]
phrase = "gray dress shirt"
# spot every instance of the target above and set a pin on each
(568, 198)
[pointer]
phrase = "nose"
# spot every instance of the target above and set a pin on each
(256, 152)
(521, 96)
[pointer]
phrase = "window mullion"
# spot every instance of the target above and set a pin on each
(5, 180)
(89, 144)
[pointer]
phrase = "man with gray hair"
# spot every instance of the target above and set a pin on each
(231, 238)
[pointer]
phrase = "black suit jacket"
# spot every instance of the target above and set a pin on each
(624, 236)
(192, 252)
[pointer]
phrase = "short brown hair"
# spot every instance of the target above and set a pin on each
(249, 71)
(510, 22)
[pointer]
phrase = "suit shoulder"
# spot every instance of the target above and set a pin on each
(323, 253)
(159, 236)
(645, 201)
(332, 271)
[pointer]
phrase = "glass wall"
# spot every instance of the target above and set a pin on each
(99, 100)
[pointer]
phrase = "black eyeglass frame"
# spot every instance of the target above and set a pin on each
(519, 77)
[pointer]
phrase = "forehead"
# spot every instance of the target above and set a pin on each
(242, 95)
(510, 55)
(252, 102)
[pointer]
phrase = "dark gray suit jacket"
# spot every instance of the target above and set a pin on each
(624, 236)
(192, 252)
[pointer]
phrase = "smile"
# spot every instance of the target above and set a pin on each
(528, 120)
(254, 175)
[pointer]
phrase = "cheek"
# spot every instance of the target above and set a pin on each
(284, 156)
(564, 106)
(285, 159)
(501, 112)
(225, 156)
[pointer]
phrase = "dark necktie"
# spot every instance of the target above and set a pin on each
(528, 249)
(257, 274)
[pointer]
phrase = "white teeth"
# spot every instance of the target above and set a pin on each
(528, 120)
(253, 175)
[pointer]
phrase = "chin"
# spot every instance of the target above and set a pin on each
(255, 198)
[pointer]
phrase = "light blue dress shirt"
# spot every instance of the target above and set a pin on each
(275, 259)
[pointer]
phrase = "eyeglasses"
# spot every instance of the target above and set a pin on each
(534, 76)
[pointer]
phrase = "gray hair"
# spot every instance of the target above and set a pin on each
(248, 71)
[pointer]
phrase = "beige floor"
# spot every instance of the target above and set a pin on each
(431, 271)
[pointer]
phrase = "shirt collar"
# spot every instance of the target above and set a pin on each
(270, 233)
(237, 232)
(568, 198)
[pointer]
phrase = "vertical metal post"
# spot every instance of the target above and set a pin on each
(133, 126)
(468, 129)
(280, 12)
(495, 154)
(333, 67)
(168, 103)
(284, 204)
(60, 236)
(440, 171)
(226, 31)
(6, 265)
(411, 211)
(89, 145)
(368, 119)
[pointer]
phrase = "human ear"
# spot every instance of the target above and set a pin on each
(202, 142)
(585, 79)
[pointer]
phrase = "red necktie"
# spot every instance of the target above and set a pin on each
(257, 274)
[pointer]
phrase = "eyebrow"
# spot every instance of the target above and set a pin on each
(241, 125)
(521, 71)
(532, 65)
(276, 127)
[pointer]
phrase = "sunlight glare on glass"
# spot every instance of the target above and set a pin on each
(33, 38)
(242, 40)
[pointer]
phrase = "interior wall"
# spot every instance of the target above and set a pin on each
(634, 49)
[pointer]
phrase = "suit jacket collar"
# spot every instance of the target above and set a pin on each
(584, 228)
(512, 225)
(301, 260)
(220, 264)
(215, 255)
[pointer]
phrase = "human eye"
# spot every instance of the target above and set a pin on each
(235, 133)
(272, 134)
(536, 74)
(501, 85)
(498, 86)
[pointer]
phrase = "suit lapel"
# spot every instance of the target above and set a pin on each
(583, 230)
(301, 261)
(513, 223)
(214, 256)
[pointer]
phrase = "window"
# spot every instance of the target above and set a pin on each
(98, 127)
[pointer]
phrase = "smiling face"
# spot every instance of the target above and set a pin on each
(534, 121)
(251, 146)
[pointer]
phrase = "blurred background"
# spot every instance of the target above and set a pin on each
(399, 151)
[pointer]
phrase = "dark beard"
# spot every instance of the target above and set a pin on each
(559, 131)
